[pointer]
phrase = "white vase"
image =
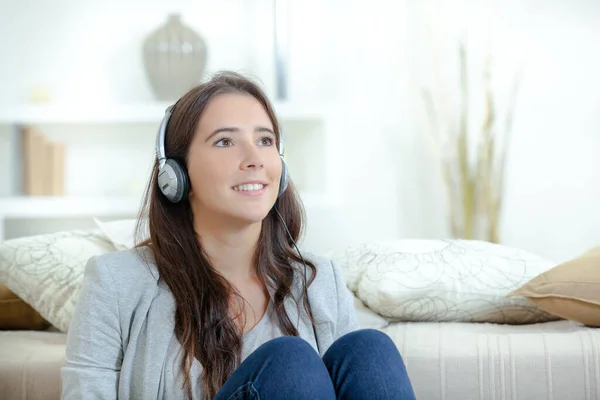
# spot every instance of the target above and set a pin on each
(174, 59)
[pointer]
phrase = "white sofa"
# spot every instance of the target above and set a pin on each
(449, 360)
(460, 336)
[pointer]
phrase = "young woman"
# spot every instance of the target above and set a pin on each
(218, 303)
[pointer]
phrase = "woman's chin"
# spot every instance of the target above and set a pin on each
(251, 217)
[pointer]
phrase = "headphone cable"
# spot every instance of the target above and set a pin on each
(305, 280)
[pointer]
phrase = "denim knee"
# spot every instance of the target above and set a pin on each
(367, 337)
(285, 346)
(290, 365)
(367, 347)
(367, 364)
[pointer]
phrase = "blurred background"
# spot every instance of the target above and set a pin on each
(403, 119)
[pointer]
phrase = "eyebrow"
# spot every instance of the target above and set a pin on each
(235, 130)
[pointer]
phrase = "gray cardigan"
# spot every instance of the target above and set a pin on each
(122, 329)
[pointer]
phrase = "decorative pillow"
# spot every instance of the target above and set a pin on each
(46, 271)
(120, 232)
(16, 314)
(368, 318)
(443, 280)
(571, 290)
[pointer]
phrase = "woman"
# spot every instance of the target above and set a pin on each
(213, 304)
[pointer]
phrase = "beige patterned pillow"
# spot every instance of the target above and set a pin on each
(46, 271)
(570, 290)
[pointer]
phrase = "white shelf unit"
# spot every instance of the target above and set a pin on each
(105, 143)
(151, 112)
(30, 207)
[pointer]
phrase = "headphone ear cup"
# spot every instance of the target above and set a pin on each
(184, 179)
(283, 182)
(173, 181)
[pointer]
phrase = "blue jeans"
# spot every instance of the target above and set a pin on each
(363, 364)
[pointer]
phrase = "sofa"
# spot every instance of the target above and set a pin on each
(472, 320)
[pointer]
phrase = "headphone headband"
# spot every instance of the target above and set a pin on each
(281, 147)
(161, 154)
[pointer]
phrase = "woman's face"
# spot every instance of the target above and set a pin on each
(233, 161)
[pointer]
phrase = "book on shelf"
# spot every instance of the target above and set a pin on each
(42, 164)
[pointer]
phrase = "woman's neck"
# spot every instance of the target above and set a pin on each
(231, 250)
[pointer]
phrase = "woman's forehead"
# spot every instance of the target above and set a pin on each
(234, 111)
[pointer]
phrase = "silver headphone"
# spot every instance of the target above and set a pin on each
(173, 180)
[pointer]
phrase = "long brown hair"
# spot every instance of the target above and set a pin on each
(202, 323)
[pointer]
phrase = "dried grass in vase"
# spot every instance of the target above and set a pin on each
(473, 163)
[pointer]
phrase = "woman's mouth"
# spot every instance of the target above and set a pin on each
(250, 189)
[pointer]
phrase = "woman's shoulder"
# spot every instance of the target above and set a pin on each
(135, 266)
(326, 270)
(330, 297)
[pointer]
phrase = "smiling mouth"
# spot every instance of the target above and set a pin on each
(249, 187)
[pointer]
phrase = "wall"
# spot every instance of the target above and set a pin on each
(369, 61)
(553, 168)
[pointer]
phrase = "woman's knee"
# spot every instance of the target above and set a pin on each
(289, 364)
(365, 343)
(288, 353)
(288, 346)
(367, 337)
(367, 364)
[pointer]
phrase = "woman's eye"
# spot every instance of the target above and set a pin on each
(266, 141)
(224, 142)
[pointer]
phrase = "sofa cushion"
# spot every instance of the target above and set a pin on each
(570, 290)
(46, 271)
(443, 280)
(16, 314)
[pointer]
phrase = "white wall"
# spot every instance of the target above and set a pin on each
(554, 171)
(368, 58)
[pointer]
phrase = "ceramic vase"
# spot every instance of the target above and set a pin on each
(174, 59)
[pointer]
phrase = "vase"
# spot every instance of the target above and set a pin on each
(174, 59)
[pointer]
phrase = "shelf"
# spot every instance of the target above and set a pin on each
(38, 207)
(24, 207)
(123, 113)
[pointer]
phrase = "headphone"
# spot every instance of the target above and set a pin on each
(173, 180)
(173, 183)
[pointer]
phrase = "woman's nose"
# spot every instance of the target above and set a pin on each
(254, 165)
(252, 158)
